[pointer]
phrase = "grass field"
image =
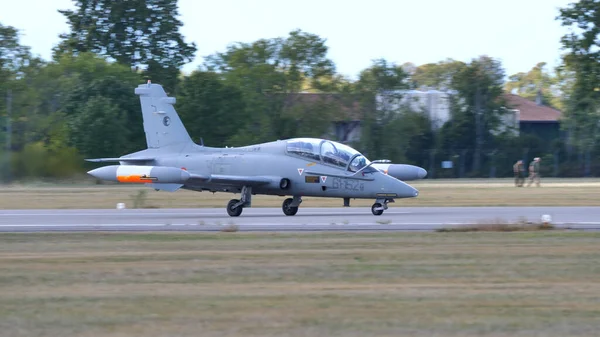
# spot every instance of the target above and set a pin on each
(481, 192)
(241, 284)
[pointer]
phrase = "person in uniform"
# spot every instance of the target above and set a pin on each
(518, 170)
(534, 172)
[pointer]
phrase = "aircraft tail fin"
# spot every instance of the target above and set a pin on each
(162, 125)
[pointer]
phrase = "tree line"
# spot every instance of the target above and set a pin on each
(80, 104)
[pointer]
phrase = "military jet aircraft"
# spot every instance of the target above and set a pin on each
(294, 167)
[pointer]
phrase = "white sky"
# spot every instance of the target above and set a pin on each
(520, 33)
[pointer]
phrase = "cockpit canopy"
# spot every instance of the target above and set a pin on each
(329, 152)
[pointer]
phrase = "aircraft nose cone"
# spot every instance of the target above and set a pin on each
(412, 192)
(404, 190)
(421, 173)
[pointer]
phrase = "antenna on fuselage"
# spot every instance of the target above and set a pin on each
(201, 141)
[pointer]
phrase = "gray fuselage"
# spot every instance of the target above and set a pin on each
(307, 176)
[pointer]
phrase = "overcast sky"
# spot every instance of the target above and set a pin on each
(520, 33)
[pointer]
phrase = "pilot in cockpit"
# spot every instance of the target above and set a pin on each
(357, 164)
(362, 162)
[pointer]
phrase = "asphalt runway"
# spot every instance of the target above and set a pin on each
(273, 220)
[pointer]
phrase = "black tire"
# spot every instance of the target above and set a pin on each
(287, 209)
(234, 211)
(376, 211)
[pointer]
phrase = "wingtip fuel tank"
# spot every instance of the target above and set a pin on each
(140, 174)
(402, 171)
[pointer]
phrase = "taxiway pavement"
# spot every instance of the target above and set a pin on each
(273, 220)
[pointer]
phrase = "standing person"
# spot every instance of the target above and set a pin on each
(518, 171)
(534, 172)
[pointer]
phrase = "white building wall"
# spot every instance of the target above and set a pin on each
(437, 106)
(509, 122)
(433, 102)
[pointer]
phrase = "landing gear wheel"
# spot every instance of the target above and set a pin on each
(234, 211)
(376, 209)
(287, 209)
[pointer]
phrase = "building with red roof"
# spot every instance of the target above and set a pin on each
(534, 117)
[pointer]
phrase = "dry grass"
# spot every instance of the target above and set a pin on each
(498, 225)
(230, 228)
(244, 284)
(482, 192)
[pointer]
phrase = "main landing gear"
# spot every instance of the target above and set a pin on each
(235, 206)
(290, 205)
(380, 205)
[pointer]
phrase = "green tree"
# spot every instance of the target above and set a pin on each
(210, 108)
(405, 137)
(14, 60)
(582, 107)
(436, 75)
(61, 90)
(269, 72)
(117, 92)
(143, 34)
(582, 43)
(13, 56)
(416, 128)
(387, 125)
(26, 122)
(476, 109)
(98, 129)
(16, 63)
(38, 160)
(311, 114)
(536, 81)
(52, 117)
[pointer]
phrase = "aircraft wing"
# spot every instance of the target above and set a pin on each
(132, 159)
(233, 180)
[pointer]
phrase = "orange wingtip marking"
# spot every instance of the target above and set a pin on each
(135, 179)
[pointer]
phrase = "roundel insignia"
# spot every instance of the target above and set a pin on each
(167, 121)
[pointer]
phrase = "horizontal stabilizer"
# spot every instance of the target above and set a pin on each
(133, 159)
(165, 187)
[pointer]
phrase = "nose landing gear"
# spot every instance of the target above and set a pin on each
(380, 205)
